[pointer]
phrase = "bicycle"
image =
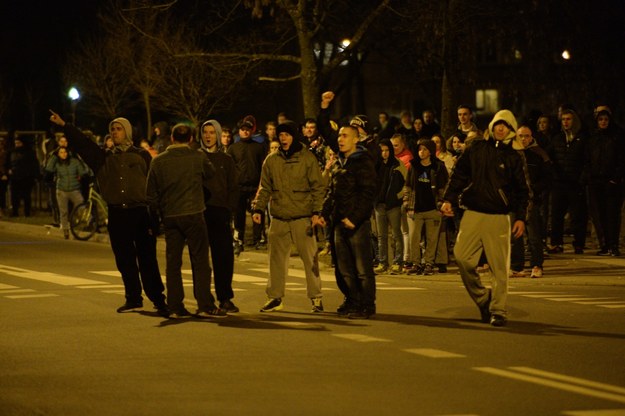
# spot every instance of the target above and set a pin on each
(89, 217)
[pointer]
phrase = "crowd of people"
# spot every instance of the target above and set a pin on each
(394, 198)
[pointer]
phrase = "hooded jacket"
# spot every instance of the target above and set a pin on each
(292, 181)
(221, 189)
(605, 158)
(352, 189)
(391, 177)
(490, 176)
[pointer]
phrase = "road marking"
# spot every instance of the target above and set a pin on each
(584, 387)
(361, 338)
(17, 291)
(325, 277)
(551, 296)
(99, 286)
(612, 306)
(114, 273)
(574, 299)
(530, 293)
(40, 295)
(47, 277)
(400, 288)
(432, 353)
(4, 286)
(608, 302)
(608, 412)
(243, 278)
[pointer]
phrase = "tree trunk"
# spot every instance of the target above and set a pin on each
(148, 115)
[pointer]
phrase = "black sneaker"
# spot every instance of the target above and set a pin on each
(130, 307)
(603, 252)
(442, 268)
(364, 313)
(272, 305)
(317, 305)
(211, 313)
(162, 310)
(343, 309)
(555, 250)
(579, 250)
(181, 314)
(485, 310)
(615, 252)
(228, 306)
(498, 320)
(428, 270)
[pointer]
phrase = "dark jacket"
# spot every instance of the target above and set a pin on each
(176, 179)
(438, 181)
(23, 165)
(248, 157)
(490, 177)
(391, 178)
(352, 189)
(605, 157)
(568, 157)
(121, 176)
(222, 189)
(539, 169)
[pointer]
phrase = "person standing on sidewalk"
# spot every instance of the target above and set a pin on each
(175, 190)
(292, 186)
(121, 173)
(220, 197)
(489, 182)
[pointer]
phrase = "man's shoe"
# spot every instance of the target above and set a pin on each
(343, 309)
(579, 250)
(214, 312)
(317, 305)
(498, 320)
(485, 310)
(442, 268)
(130, 307)
(396, 269)
(537, 272)
(381, 268)
(416, 269)
(272, 305)
(358, 314)
(615, 252)
(406, 267)
(261, 245)
(238, 248)
(515, 274)
(181, 314)
(603, 252)
(428, 270)
(555, 250)
(162, 310)
(229, 307)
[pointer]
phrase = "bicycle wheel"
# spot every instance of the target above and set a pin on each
(82, 222)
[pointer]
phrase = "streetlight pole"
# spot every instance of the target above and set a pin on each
(74, 96)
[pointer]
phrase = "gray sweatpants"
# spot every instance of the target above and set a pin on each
(489, 233)
(280, 235)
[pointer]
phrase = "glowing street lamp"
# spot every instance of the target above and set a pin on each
(566, 55)
(74, 96)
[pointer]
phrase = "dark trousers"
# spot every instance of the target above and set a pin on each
(533, 230)
(340, 280)
(134, 247)
(244, 204)
(571, 198)
(354, 257)
(4, 184)
(604, 203)
(189, 229)
(220, 241)
(21, 191)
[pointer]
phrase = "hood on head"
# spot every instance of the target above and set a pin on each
(126, 126)
(506, 117)
(217, 127)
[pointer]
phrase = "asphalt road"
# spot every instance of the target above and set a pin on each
(64, 350)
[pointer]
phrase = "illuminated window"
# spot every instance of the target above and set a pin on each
(486, 101)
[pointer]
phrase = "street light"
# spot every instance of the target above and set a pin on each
(74, 96)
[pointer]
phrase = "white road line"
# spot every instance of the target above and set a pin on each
(574, 299)
(39, 295)
(554, 384)
(433, 353)
(400, 288)
(531, 293)
(570, 379)
(612, 306)
(115, 292)
(47, 277)
(361, 338)
(552, 296)
(4, 286)
(17, 291)
(114, 273)
(243, 278)
(100, 286)
(606, 412)
(605, 302)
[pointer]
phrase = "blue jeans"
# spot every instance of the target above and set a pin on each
(383, 218)
(355, 262)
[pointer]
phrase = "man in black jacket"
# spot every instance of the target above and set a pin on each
(121, 173)
(349, 203)
(489, 182)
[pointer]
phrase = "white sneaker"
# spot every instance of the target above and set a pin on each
(537, 272)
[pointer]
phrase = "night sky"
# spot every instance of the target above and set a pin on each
(35, 38)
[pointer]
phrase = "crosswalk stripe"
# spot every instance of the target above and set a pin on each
(48, 277)
(574, 299)
(4, 286)
(361, 338)
(554, 383)
(35, 295)
(596, 412)
(433, 353)
(570, 379)
(597, 302)
(612, 306)
(17, 291)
